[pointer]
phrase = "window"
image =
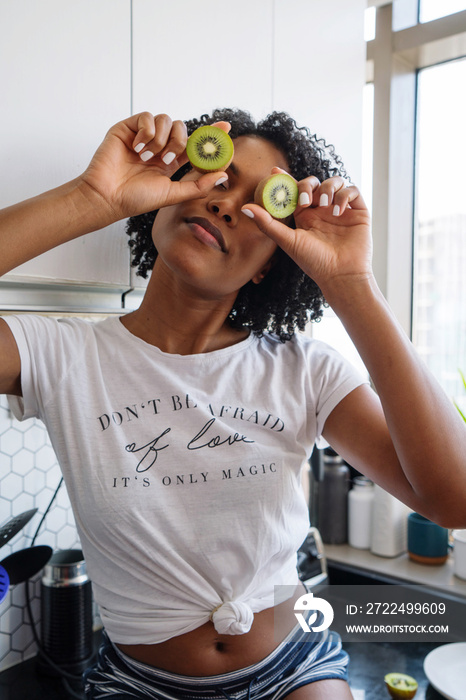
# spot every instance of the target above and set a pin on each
(414, 148)
(369, 24)
(439, 308)
(417, 61)
(434, 9)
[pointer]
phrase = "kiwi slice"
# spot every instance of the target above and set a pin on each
(209, 148)
(278, 194)
(399, 685)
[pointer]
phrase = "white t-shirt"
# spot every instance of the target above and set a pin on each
(184, 472)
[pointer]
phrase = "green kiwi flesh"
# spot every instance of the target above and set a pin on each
(400, 686)
(278, 194)
(209, 148)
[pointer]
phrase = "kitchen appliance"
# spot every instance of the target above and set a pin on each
(14, 525)
(312, 562)
(22, 565)
(66, 613)
(332, 499)
(4, 583)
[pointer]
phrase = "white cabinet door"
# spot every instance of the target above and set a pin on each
(189, 57)
(304, 57)
(320, 64)
(65, 71)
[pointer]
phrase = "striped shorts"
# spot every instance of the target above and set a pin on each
(298, 660)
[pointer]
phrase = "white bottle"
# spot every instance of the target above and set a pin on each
(389, 524)
(360, 500)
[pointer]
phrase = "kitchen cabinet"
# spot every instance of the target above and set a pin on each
(188, 61)
(319, 71)
(65, 78)
(70, 70)
(259, 56)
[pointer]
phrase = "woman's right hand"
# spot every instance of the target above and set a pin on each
(130, 180)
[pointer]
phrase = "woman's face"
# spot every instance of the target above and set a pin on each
(209, 243)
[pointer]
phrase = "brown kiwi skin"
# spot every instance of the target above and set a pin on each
(215, 170)
(258, 196)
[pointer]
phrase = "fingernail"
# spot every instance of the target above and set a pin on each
(169, 158)
(323, 201)
(303, 199)
(336, 210)
(221, 180)
(248, 212)
(139, 147)
(147, 155)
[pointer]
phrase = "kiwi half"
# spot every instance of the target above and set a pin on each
(209, 148)
(399, 685)
(278, 194)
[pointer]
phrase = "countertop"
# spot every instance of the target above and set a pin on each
(370, 661)
(368, 666)
(400, 567)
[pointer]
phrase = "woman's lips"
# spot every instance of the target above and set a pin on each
(207, 232)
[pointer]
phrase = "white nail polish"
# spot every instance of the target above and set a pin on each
(147, 155)
(169, 158)
(304, 199)
(248, 212)
(139, 147)
(221, 180)
(323, 201)
(336, 210)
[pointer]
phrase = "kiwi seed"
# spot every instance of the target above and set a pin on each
(278, 194)
(209, 148)
(400, 686)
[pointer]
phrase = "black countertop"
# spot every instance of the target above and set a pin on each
(370, 661)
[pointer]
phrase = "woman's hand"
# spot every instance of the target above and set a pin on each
(121, 181)
(332, 238)
(131, 170)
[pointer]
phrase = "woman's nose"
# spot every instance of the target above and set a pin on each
(225, 208)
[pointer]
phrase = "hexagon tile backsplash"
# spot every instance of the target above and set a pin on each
(29, 475)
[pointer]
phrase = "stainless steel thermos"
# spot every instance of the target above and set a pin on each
(66, 611)
(332, 499)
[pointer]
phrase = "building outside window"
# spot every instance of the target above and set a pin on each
(416, 75)
(439, 290)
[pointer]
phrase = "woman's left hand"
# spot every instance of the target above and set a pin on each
(332, 238)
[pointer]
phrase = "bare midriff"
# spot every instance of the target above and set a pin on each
(205, 652)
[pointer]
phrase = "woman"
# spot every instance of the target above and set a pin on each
(185, 432)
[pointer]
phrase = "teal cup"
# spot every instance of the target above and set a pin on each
(427, 541)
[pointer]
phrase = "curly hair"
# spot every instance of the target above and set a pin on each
(287, 298)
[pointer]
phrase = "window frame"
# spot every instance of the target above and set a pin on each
(401, 47)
